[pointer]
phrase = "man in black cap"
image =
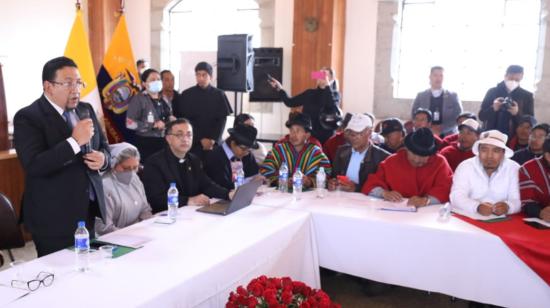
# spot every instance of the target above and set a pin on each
(206, 107)
(505, 103)
(520, 137)
(535, 146)
(393, 133)
(224, 162)
(296, 152)
(416, 173)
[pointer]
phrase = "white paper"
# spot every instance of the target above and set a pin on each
(9, 294)
(121, 239)
(540, 221)
(476, 215)
(398, 206)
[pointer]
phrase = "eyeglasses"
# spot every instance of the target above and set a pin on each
(71, 84)
(182, 135)
(43, 278)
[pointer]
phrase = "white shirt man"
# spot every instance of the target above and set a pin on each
(488, 182)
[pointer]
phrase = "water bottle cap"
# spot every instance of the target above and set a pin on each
(81, 224)
(322, 169)
(173, 184)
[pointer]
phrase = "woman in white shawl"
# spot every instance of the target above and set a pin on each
(125, 199)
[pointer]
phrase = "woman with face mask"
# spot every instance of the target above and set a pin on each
(125, 199)
(147, 115)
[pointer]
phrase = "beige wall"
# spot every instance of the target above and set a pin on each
(386, 105)
(34, 31)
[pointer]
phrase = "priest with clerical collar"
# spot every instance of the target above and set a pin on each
(416, 172)
(487, 183)
(175, 164)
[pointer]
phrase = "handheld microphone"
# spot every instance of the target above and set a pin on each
(85, 114)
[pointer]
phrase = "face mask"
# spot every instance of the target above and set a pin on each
(511, 85)
(155, 86)
(124, 176)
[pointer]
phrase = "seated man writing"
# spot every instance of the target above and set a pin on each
(487, 183)
(416, 172)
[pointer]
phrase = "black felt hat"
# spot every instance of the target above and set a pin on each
(244, 135)
(421, 142)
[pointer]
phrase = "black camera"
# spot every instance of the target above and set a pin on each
(507, 102)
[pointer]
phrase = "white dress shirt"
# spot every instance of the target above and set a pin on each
(472, 186)
(70, 140)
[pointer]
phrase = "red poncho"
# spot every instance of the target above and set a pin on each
(396, 173)
(454, 155)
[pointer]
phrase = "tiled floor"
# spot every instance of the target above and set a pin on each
(344, 289)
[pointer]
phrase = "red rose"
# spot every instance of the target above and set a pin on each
(305, 305)
(255, 288)
(252, 302)
(286, 297)
(242, 291)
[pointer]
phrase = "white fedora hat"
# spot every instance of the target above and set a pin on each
(496, 138)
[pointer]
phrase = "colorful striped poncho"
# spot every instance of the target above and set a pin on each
(309, 160)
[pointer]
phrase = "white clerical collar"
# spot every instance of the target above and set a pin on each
(436, 92)
(57, 108)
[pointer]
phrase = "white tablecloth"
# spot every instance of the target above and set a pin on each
(416, 250)
(195, 262)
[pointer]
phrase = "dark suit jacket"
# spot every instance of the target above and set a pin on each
(162, 168)
(57, 181)
(218, 167)
(373, 158)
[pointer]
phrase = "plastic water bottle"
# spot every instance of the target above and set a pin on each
(173, 201)
(283, 178)
(81, 246)
(445, 212)
(297, 184)
(239, 179)
(320, 179)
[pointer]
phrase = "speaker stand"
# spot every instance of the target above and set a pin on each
(238, 104)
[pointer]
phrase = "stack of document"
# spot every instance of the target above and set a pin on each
(401, 206)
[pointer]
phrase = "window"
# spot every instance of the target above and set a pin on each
(473, 40)
(194, 26)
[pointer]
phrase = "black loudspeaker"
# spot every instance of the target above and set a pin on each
(235, 63)
(267, 61)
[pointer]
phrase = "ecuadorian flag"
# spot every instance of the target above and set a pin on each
(118, 81)
(78, 49)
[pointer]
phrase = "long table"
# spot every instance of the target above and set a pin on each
(195, 262)
(415, 250)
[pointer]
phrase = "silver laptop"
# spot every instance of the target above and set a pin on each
(242, 198)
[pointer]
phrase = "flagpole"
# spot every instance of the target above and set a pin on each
(121, 10)
(77, 4)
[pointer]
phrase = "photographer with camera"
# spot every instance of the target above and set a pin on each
(504, 104)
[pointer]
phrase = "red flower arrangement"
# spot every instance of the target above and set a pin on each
(263, 292)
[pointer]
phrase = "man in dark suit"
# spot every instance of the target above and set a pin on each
(223, 163)
(175, 164)
(62, 149)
